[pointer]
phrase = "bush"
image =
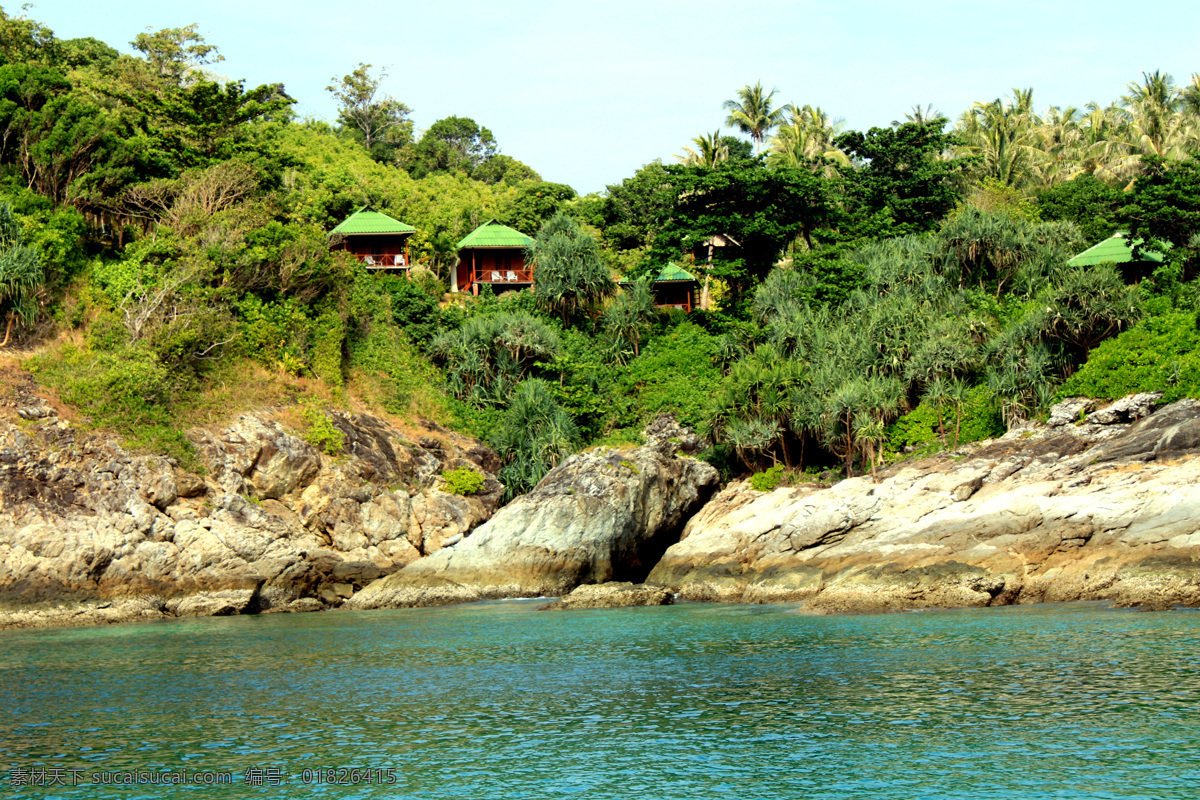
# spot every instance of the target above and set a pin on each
(921, 428)
(675, 373)
(462, 481)
(321, 432)
(127, 390)
(413, 310)
(1160, 354)
(534, 435)
(768, 480)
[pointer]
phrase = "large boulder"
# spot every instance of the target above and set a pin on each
(599, 516)
(618, 594)
(1095, 511)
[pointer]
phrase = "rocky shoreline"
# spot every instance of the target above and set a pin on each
(1099, 510)
(1096, 504)
(90, 533)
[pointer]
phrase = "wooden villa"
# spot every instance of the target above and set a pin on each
(377, 240)
(494, 255)
(1118, 250)
(675, 287)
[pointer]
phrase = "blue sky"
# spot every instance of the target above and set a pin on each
(586, 92)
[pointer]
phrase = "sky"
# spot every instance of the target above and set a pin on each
(588, 92)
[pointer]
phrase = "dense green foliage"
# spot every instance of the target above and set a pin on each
(1161, 354)
(164, 234)
(462, 481)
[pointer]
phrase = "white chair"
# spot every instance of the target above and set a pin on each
(510, 276)
(495, 277)
(369, 260)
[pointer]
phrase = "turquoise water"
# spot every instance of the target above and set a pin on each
(693, 701)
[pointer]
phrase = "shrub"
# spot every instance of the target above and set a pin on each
(1160, 354)
(413, 309)
(321, 432)
(675, 373)
(922, 428)
(534, 435)
(127, 390)
(767, 480)
(462, 481)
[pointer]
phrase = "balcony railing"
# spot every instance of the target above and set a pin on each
(384, 260)
(502, 276)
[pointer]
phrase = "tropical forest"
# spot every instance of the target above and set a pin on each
(859, 296)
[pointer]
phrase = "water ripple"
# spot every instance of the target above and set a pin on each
(693, 701)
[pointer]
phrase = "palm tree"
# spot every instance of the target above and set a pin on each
(1153, 105)
(807, 136)
(920, 115)
(710, 150)
(1002, 134)
(753, 113)
(1061, 140)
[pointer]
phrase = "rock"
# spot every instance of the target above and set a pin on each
(668, 437)
(81, 519)
(1053, 516)
(612, 595)
(599, 516)
(214, 604)
(1069, 411)
(35, 412)
(1128, 409)
(1173, 431)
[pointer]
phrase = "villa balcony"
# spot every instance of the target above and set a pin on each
(502, 276)
(383, 260)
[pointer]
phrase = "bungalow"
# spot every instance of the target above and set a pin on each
(492, 254)
(674, 287)
(1118, 250)
(377, 240)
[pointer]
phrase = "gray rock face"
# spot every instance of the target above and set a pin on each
(272, 521)
(599, 516)
(620, 594)
(1055, 514)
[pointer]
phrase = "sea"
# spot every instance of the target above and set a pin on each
(501, 700)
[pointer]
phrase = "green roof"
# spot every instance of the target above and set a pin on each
(674, 272)
(368, 220)
(493, 234)
(1116, 249)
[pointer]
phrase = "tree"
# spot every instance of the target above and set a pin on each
(23, 40)
(506, 169)
(1087, 201)
(20, 273)
(571, 274)
(536, 202)
(453, 144)
(1153, 105)
(380, 122)
(761, 209)
(633, 212)
(1165, 201)
(753, 113)
(902, 174)
(627, 318)
(710, 150)
(1002, 135)
(807, 139)
(204, 121)
(176, 55)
